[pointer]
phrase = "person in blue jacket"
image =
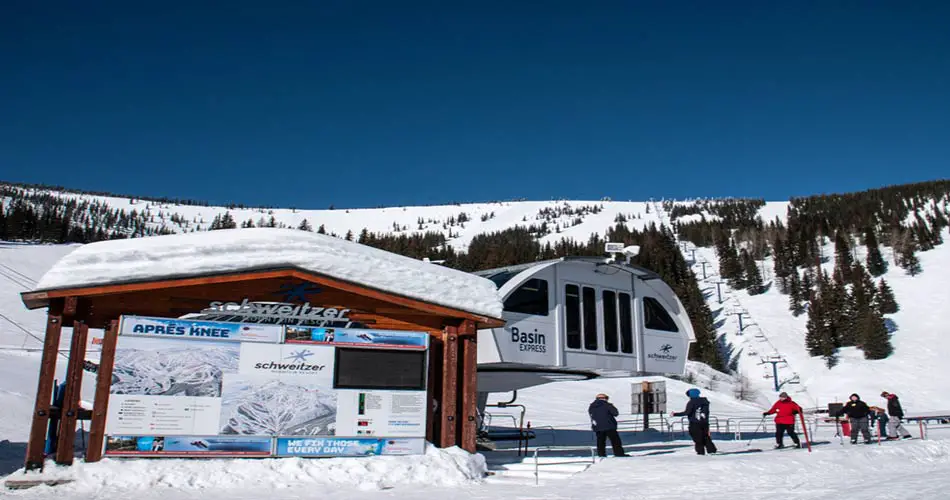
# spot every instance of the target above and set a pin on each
(603, 420)
(697, 411)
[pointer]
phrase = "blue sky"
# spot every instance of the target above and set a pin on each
(360, 103)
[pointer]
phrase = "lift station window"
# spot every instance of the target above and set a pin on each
(380, 369)
(610, 320)
(572, 315)
(626, 324)
(655, 316)
(590, 319)
(529, 298)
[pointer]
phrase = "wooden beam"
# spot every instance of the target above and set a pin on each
(67, 422)
(449, 388)
(100, 408)
(71, 305)
(36, 446)
(468, 413)
(433, 421)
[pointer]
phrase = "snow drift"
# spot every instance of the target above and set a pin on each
(438, 467)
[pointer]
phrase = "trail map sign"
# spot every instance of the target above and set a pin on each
(205, 388)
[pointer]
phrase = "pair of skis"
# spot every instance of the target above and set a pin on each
(808, 442)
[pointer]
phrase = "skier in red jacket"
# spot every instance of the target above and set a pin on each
(785, 410)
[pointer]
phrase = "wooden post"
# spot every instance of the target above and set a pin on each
(433, 425)
(70, 410)
(36, 447)
(100, 407)
(469, 386)
(450, 355)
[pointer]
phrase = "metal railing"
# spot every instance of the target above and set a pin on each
(537, 465)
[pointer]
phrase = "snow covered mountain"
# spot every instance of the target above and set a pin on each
(915, 370)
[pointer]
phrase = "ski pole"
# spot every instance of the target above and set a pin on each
(801, 416)
(756, 430)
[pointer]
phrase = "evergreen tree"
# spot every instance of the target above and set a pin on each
(908, 256)
(807, 288)
(877, 343)
(225, 221)
(814, 328)
(885, 299)
(305, 226)
(753, 279)
(730, 267)
(859, 303)
(796, 301)
(819, 339)
(349, 236)
(835, 304)
(321, 230)
(843, 260)
(876, 263)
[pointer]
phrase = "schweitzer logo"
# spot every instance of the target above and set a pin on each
(298, 363)
(664, 354)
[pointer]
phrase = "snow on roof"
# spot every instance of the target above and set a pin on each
(235, 250)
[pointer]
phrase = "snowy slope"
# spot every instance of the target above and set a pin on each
(917, 370)
(888, 471)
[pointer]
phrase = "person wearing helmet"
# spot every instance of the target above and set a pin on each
(603, 421)
(857, 412)
(697, 411)
(785, 410)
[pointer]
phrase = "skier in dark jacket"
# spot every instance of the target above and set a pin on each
(896, 413)
(857, 412)
(697, 411)
(604, 423)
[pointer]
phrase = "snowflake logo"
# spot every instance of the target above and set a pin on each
(298, 293)
(666, 348)
(300, 355)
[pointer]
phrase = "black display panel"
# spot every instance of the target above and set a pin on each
(380, 369)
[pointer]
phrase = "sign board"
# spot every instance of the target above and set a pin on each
(184, 388)
(648, 397)
(208, 330)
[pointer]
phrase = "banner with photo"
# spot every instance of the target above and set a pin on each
(359, 337)
(348, 447)
(188, 446)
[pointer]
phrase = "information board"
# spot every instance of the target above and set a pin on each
(201, 388)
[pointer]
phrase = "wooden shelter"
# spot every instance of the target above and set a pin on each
(452, 366)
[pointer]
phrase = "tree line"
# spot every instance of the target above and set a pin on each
(848, 307)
